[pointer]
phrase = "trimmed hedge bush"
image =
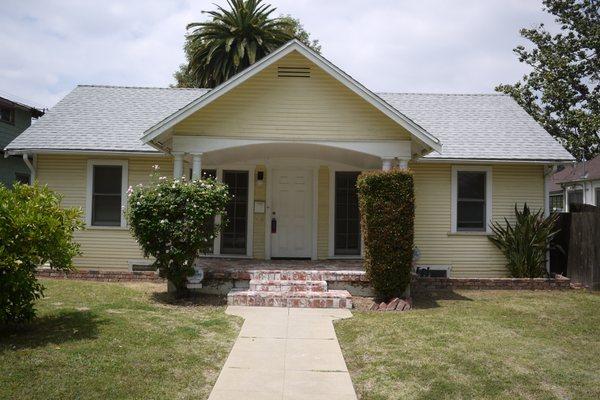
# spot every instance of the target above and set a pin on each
(387, 209)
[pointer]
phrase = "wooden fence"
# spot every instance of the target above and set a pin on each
(580, 240)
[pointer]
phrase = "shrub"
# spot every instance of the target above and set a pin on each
(525, 243)
(34, 230)
(387, 205)
(171, 219)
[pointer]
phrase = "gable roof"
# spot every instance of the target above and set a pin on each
(581, 171)
(479, 126)
(294, 45)
(104, 118)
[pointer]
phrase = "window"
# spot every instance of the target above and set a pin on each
(556, 202)
(7, 115)
(107, 182)
(598, 196)
(209, 173)
(575, 197)
(22, 177)
(233, 235)
(347, 217)
(471, 199)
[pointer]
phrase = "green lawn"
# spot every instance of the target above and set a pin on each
(478, 345)
(115, 341)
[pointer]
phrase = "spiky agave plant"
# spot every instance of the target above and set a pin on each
(526, 242)
(234, 39)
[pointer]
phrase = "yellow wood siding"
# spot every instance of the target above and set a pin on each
(323, 213)
(260, 194)
(108, 248)
(469, 255)
(266, 106)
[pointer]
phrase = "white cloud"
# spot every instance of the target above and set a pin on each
(49, 47)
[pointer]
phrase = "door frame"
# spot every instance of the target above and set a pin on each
(293, 164)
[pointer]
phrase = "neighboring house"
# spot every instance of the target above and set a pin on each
(577, 183)
(14, 118)
(290, 135)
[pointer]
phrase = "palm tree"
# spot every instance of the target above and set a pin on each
(233, 40)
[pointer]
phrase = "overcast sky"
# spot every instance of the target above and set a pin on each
(49, 47)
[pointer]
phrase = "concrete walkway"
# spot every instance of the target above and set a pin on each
(285, 353)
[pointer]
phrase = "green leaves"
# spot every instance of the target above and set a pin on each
(562, 92)
(387, 204)
(173, 221)
(34, 230)
(233, 39)
(525, 243)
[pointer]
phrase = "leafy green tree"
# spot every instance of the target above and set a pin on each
(562, 91)
(171, 220)
(34, 230)
(234, 39)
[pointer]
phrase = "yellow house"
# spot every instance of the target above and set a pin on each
(289, 135)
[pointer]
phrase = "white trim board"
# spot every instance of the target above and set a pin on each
(294, 45)
(488, 196)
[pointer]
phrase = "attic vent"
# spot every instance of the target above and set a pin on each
(293, 72)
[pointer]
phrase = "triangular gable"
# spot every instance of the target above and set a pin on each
(414, 129)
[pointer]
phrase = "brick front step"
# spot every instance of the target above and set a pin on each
(287, 275)
(258, 285)
(330, 299)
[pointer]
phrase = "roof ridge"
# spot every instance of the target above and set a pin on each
(141, 87)
(445, 94)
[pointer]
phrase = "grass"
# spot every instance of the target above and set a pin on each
(114, 341)
(478, 344)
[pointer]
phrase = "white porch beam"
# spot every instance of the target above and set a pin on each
(177, 164)
(196, 165)
(379, 148)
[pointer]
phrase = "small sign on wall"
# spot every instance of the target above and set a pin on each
(259, 207)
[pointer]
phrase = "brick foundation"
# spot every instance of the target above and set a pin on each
(420, 284)
(102, 276)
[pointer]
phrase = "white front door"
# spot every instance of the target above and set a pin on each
(291, 230)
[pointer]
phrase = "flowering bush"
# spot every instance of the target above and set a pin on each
(172, 221)
(34, 230)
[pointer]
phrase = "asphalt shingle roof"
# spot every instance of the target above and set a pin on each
(104, 118)
(114, 118)
(478, 126)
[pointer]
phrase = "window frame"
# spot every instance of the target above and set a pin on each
(124, 164)
(13, 115)
(336, 251)
(562, 201)
(454, 198)
(578, 189)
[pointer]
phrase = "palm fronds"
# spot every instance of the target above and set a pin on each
(526, 242)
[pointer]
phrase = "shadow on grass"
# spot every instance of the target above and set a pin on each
(431, 299)
(65, 326)
(189, 299)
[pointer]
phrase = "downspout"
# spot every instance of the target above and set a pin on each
(30, 166)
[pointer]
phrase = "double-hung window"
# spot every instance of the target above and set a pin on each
(107, 183)
(471, 199)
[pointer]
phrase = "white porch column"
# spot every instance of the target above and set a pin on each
(177, 164)
(387, 163)
(403, 163)
(196, 165)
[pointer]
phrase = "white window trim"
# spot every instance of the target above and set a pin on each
(595, 188)
(488, 197)
(90, 183)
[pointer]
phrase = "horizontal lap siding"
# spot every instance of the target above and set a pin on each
(470, 256)
(266, 106)
(107, 249)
